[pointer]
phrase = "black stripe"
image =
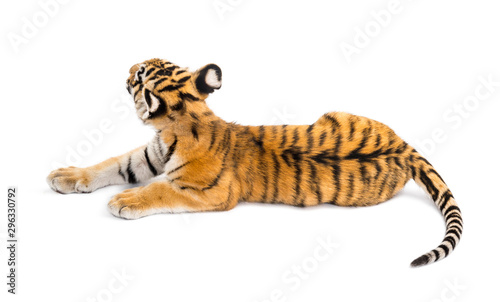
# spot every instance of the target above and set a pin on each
(363, 172)
(274, 131)
(131, 175)
(194, 130)
(157, 152)
(314, 182)
(457, 221)
(333, 120)
(451, 240)
(121, 173)
(170, 88)
(286, 159)
(338, 143)
(449, 209)
(165, 72)
(180, 71)
(444, 200)
(184, 79)
(350, 193)
(171, 150)
(454, 227)
(215, 181)
(336, 182)
(262, 165)
(352, 123)
(224, 205)
(276, 175)
(355, 153)
(188, 97)
(399, 164)
(377, 167)
(295, 136)
(149, 72)
(283, 136)
(386, 178)
(391, 139)
(454, 231)
(194, 116)
(436, 254)
(454, 215)
(214, 133)
(394, 179)
(298, 179)
(147, 97)
(158, 142)
(310, 128)
(377, 141)
(402, 148)
(137, 91)
(174, 179)
(322, 138)
(265, 175)
(445, 248)
(260, 140)
(150, 165)
(179, 167)
(431, 189)
(310, 140)
(223, 144)
(159, 82)
(424, 160)
(178, 106)
(413, 171)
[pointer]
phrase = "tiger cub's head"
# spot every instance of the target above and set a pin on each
(163, 91)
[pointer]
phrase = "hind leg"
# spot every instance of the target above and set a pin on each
(379, 180)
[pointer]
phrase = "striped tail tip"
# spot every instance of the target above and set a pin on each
(421, 261)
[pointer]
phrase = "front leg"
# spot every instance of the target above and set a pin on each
(163, 197)
(137, 165)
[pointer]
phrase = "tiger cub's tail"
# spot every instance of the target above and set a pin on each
(424, 175)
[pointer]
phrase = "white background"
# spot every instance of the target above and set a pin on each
(282, 63)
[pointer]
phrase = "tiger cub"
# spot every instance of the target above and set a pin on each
(209, 164)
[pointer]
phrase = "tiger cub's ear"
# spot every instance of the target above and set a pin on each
(208, 78)
(155, 106)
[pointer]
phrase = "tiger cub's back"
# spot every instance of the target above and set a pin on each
(341, 159)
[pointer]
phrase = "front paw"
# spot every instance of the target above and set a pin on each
(69, 180)
(130, 204)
